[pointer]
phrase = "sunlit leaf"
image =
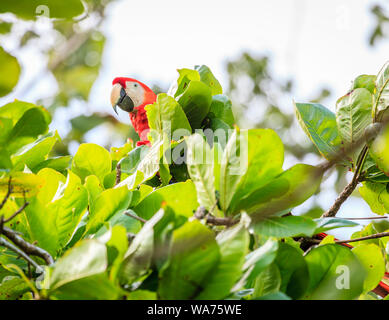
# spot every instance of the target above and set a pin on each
(10, 70)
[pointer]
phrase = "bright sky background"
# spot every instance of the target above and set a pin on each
(316, 42)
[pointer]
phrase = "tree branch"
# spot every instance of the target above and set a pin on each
(27, 247)
(15, 249)
(373, 236)
(202, 213)
(118, 174)
(16, 213)
(127, 213)
(343, 196)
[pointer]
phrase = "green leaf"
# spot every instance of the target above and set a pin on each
(34, 153)
(319, 124)
(58, 163)
(335, 273)
(137, 259)
(23, 184)
(371, 258)
(353, 115)
(382, 92)
(12, 288)
(5, 27)
(199, 160)
(105, 206)
(30, 9)
(290, 226)
(194, 253)
(365, 81)
(147, 167)
(94, 187)
(52, 179)
(208, 78)
(10, 67)
(293, 270)
(264, 162)
(379, 150)
(325, 224)
(129, 163)
(196, 102)
(257, 261)
(52, 224)
(91, 159)
(166, 116)
(181, 197)
(96, 287)
(221, 108)
(85, 259)
(233, 244)
(376, 196)
(234, 164)
(268, 282)
(184, 78)
(287, 190)
(15, 110)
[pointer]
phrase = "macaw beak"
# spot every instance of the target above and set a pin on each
(119, 98)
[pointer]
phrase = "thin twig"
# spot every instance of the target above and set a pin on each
(9, 191)
(202, 213)
(12, 247)
(27, 247)
(343, 196)
(16, 213)
(127, 213)
(372, 236)
(361, 218)
(118, 174)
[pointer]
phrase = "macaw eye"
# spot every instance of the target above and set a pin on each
(135, 85)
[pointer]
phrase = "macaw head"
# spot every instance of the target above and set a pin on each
(128, 94)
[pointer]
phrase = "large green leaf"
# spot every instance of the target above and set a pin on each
(181, 197)
(196, 101)
(95, 287)
(194, 253)
(371, 257)
(106, 205)
(353, 115)
(376, 196)
(208, 78)
(12, 288)
(34, 153)
(53, 223)
(85, 259)
(379, 150)
(268, 282)
(256, 262)
(184, 77)
(282, 227)
(264, 162)
(234, 165)
(166, 116)
(91, 159)
(137, 259)
(365, 81)
(30, 9)
(10, 70)
(221, 108)
(325, 224)
(334, 273)
(382, 92)
(293, 270)
(23, 184)
(319, 124)
(287, 190)
(146, 168)
(233, 244)
(199, 160)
